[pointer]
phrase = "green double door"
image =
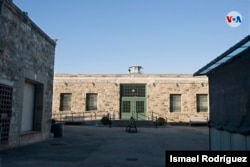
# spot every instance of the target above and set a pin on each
(133, 107)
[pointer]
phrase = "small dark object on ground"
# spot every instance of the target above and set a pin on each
(105, 120)
(131, 128)
(160, 121)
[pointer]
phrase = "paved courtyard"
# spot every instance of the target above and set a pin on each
(90, 146)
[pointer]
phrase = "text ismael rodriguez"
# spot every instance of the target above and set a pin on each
(217, 158)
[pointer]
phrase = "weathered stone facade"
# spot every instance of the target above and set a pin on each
(26, 61)
(159, 87)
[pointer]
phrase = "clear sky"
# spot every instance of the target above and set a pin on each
(162, 36)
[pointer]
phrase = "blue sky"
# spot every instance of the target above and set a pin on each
(163, 36)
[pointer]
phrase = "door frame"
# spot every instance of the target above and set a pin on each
(132, 99)
(133, 110)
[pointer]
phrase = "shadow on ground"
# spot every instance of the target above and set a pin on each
(107, 147)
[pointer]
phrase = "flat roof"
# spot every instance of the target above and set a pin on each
(126, 75)
(226, 57)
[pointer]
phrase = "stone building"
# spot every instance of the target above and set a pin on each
(176, 98)
(26, 78)
(229, 90)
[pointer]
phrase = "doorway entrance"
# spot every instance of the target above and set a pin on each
(28, 107)
(133, 101)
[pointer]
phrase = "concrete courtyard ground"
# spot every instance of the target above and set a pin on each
(90, 146)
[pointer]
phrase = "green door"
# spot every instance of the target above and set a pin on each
(133, 104)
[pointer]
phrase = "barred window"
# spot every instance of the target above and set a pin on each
(133, 90)
(126, 105)
(6, 94)
(175, 103)
(140, 107)
(91, 101)
(202, 103)
(65, 101)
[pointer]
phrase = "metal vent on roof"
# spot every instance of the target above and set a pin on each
(135, 69)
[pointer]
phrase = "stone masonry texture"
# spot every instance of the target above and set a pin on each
(107, 87)
(26, 54)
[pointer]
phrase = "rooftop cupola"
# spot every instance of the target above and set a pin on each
(135, 69)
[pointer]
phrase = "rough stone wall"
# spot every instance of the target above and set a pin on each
(159, 98)
(107, 90)
(26, 53)
(158, 90)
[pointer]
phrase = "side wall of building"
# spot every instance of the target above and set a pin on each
(107, 87)
(26, 59)
(230, 105)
